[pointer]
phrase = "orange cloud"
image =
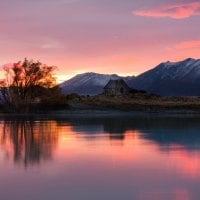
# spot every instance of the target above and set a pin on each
(188, 44)
(175, 11)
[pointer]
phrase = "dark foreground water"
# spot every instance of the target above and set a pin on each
(100, 158)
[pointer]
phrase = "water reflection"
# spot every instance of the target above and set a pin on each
(28, 142)
(162, 130)
(100, 158)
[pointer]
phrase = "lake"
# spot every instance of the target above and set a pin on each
(100, 158)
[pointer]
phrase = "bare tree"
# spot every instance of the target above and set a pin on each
(22, 80)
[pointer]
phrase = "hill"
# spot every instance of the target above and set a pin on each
(167, 79)
(89, 83)
(171, 79)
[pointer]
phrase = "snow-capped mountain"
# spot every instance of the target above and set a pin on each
(88, 83)
(172, 79)
(167, 79)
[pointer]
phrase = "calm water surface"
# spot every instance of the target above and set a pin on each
(100, 158)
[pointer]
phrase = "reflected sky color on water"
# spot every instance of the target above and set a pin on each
(99, 158)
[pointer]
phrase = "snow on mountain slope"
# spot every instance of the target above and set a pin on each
(167, 79)
(88, 83)
(172, 78)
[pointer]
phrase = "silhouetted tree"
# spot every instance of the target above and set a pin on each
(25, 82)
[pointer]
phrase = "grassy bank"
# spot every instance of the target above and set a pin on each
(141, 102)
(137, 102)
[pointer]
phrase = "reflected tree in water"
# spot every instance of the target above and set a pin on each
(29, 142)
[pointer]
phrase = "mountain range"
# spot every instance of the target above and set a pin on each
(167, 79)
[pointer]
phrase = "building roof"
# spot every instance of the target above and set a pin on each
(112, 84)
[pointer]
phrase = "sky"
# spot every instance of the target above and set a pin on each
(126, 37)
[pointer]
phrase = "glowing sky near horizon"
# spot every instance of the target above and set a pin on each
(106, 36)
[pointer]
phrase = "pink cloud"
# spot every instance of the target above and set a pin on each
(188, 44)
(175, 11)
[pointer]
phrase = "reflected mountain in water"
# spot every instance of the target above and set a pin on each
(28, 142)
(162, 130)
(32, 141)
(100, 158)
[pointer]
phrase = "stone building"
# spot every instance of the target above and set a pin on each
(116, 88)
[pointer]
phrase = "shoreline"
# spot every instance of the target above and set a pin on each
(89, 113)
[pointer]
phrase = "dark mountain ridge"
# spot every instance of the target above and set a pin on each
(89, 83)
(171, 79)
(167, 79)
